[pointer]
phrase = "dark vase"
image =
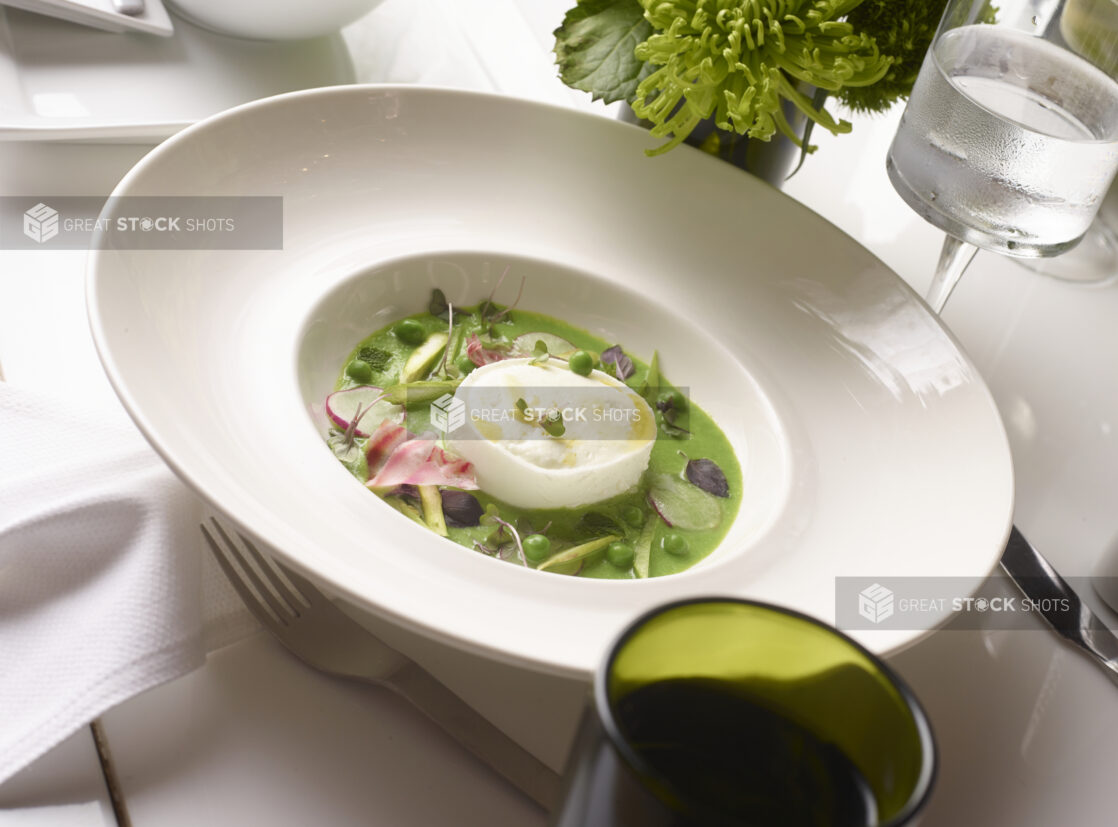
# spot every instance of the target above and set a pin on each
(772, 161)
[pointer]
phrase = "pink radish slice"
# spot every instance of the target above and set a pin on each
(341, 408)
(385, 440)
(682, 505)
(480, 355)
(525, 344)
(421, 462)
(657, 508)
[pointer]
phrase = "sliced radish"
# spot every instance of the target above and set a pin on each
(480, 355)
(525, 344)
(342, 408)
(682, 505)
(385, 439)
(422, 462)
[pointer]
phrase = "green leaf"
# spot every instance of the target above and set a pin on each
(597, 523)
(438, 304)
(594, 48)
(682, 505)
(818, 100)
(539, 352)
(351, 454)
(378, 358)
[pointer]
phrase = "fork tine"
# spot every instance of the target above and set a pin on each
(264, 597)
(261, 611)
(288, 584)
(300, 588)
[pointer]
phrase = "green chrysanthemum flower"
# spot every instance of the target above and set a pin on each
(903, 30)
(737, 60)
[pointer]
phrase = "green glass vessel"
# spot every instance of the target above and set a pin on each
(729, 712)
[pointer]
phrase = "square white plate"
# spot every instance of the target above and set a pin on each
(63, 82)
(100, 14)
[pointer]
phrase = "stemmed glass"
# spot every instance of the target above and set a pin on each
(1010, 137)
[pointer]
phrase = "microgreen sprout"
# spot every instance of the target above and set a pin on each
(539, 353)
(552, 423)
(515, 538)
(438, 304)
(550, 420)
(349, 436)
(487, 306)
(515, 301)
(497, 537)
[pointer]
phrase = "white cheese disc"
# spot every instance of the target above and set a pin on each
(604, 449)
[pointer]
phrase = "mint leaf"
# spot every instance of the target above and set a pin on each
(594, 48)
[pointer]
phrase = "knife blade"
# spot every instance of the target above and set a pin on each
(1058, 603)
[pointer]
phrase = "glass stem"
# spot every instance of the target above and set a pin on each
(953, 261)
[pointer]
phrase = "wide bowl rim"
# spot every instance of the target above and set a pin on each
(259, 533)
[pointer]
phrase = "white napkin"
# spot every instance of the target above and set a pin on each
(104, 591)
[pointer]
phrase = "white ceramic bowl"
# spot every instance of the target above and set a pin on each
(870, 445)
(273, 19)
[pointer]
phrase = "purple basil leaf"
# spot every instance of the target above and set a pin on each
(622, 364)
(706, 474)
(461, 508)
(407, 491)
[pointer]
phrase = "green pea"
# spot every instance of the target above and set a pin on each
(536, 547)
(581, 362)
(464, 364)
(359, 370)
(620, 554)
(410, 332)
(674, 543)
(672, 399)
(633, 516)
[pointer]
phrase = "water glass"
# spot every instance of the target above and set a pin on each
(1010, 137)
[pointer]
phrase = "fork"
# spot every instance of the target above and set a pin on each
(305, 621)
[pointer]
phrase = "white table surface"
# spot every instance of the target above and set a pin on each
(1025, 726)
